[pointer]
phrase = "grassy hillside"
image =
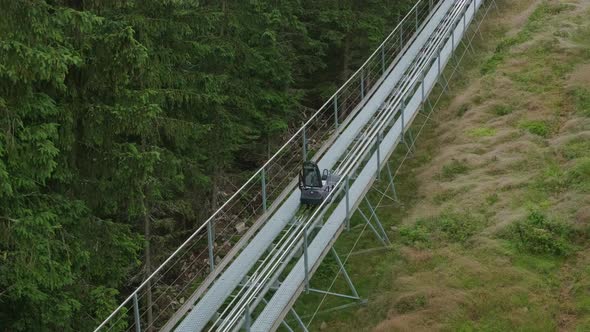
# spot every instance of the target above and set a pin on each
(493, 225)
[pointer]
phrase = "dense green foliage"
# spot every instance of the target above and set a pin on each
(540, 235)
(119, 120)
(449, 226)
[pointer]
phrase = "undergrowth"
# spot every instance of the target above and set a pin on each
(453, 169)
(538, 234)
(501, 110)
(447, 227)
(535, 127)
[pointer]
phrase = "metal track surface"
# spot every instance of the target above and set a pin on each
(285, 296)
(410, 66)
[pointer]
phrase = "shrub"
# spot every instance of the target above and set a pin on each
(415, 235)
(451, 170)
(539, 128)
(492, 199)
(449, 226)
(502, 110)
(553, 178)
(457, 228)
(539, 235)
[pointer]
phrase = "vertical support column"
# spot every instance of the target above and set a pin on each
(465, 22)
(423, 91)
(347, 188)
(136, 313)
(378, 143)
(440, 74)
(210, 243)
(263, 180)
(305, 260)
(403, 108)
(336, 111)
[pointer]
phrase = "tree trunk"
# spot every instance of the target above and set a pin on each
(148, 264)
(215, 188)
(346, 59)
(215, 197)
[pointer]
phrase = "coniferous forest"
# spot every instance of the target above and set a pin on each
(123, 122)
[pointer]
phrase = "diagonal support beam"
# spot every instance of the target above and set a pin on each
(392, 183)
(379, 236)
(345, 274)
(299, 320)
(378, 222)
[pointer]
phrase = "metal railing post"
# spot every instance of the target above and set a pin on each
(362, 74)
(247, 323)
(336, 111)
(210, 243)
(304, 134)
(263, 180)
(136, 313)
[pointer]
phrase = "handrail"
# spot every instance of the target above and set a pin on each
(254, 177)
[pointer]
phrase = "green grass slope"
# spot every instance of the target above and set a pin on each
(491, 231)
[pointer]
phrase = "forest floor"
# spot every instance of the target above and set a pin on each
(491, 231)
